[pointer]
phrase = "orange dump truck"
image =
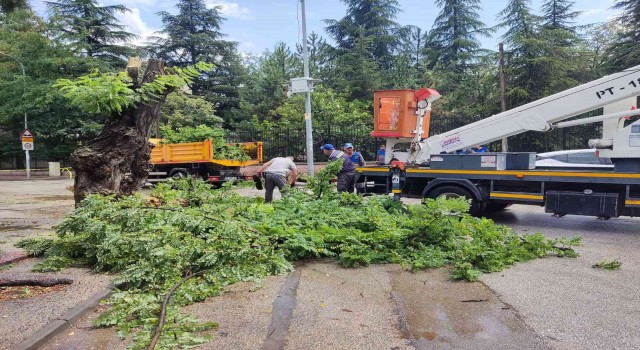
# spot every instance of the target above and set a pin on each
(179, 160)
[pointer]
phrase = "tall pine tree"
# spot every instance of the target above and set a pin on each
(559, 14)
(7, 6)
(358, 71)
(193, 35)
(560, 37)
(453, 41)
(373, 20)
(625, 51)
(523, 45)
(93, 30)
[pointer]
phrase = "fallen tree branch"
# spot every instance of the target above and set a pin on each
(41, 282)
(249, 228)
(163, 309)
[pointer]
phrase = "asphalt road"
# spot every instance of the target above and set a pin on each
(567, 301)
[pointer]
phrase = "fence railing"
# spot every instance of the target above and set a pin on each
(292, 141)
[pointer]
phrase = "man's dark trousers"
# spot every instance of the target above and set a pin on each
(346, 182)
(273, 181)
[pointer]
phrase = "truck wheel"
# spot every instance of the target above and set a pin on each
(179, 174)
(449, 191)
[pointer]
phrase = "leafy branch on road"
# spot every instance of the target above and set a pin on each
(224, 238)
(608, 265)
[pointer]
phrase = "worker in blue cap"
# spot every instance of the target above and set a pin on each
(347, 175)
(356, 157)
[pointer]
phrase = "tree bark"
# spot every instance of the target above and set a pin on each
(117, 161)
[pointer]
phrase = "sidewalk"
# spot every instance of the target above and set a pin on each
(29, 211)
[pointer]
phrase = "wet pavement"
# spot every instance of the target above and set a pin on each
(374, 307)
(550, 303)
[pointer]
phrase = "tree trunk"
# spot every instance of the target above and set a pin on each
(117, 161)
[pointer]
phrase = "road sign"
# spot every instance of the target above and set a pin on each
(27, 140)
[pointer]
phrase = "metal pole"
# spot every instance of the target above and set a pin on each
(24, 89)
(307, 102)
(503, 94)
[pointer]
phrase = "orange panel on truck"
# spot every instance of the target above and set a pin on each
(192, 152)
(394, 114)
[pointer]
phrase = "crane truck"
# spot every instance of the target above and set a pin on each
(430, 167)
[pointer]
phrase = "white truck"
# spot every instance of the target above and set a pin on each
(428, 166)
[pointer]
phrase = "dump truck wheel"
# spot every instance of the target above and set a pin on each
(179, 174)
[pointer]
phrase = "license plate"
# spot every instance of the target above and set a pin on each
(231, 178)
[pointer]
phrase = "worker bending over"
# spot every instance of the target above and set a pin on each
(276, 171)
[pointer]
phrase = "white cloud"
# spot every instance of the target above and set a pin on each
(137, 25)
(246, 46)
(231, 9)
(593, 12)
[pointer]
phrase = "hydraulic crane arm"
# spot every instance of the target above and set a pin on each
(537, 116)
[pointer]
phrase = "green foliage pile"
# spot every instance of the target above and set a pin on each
(187, 229)
(221, 150)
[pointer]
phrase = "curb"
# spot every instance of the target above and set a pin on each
(56, 326)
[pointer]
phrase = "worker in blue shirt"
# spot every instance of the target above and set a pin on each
(475, 149)
(380, 155)
(479, 149)
(347, 175)
(355, 157)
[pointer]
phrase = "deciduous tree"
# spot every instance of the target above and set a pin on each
(117, 161)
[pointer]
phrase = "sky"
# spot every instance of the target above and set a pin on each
(257, 25)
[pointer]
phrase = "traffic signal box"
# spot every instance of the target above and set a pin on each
(395, 116)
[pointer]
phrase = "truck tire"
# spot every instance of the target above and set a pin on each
(452, 191)
(179, 174)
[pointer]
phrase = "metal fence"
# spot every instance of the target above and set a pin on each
(575, 137)
(292, 141)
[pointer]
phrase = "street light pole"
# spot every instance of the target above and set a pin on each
(307, 101)
(24, 89)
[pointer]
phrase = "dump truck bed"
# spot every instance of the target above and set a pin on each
(200, 152)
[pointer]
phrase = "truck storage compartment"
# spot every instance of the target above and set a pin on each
(580, 203)
(484, 161)
(474, 161)
(521, 160)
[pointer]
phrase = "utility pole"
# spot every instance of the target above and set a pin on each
(503, 97)
(24, 89)
(307, 101)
